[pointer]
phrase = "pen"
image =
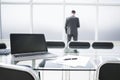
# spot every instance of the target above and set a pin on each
(70, 59)
(67, 59)
(74, 58)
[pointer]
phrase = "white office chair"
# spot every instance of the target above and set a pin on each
(55, 44)
(102, 45)
(79, 45)
(3, 46)
(14, 72)
(74, 45)
(3, 49)
(109, 71)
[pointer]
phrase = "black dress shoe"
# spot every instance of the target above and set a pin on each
(75, 51)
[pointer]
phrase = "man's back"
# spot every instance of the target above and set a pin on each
(72, 24)
(73, 21)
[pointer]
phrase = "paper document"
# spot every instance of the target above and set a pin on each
(71, 60)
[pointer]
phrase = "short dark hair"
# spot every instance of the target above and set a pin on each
(73, 11)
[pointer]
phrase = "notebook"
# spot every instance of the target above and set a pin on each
(29, 45)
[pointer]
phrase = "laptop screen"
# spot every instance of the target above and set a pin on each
(25, 43)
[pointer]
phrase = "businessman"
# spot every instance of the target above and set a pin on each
(71, 27)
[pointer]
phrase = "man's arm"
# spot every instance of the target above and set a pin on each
(78, 23)
(66, 23)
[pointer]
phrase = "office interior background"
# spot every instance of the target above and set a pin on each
(99, 19)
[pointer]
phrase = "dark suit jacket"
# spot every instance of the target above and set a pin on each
(71, 25)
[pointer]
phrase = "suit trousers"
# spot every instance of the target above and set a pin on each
(70, 36)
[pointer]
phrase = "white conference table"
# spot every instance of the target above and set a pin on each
(88, 69)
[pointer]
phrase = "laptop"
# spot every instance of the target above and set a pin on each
(29, 46)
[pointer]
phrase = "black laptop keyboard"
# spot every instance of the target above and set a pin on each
(31, 54)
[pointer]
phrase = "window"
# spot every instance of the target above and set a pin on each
(109, 23)
(15, 0)
(15, 18)
(99, 19)
(48, 19)
(47, 1)
(81, 1)
(109, 1)
(87, 16)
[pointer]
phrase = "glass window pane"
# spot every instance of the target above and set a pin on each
(48, 1)
(81, 1)
(87, 16)
(0, 33)
(109, 23)
(15, 0)
(109, 1)
(48, 19)
(15, 18)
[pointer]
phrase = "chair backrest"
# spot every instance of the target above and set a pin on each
(13, 72)
(109, 71)
(79, 45)
(102, 45)
(3, 46)
(55, 44)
